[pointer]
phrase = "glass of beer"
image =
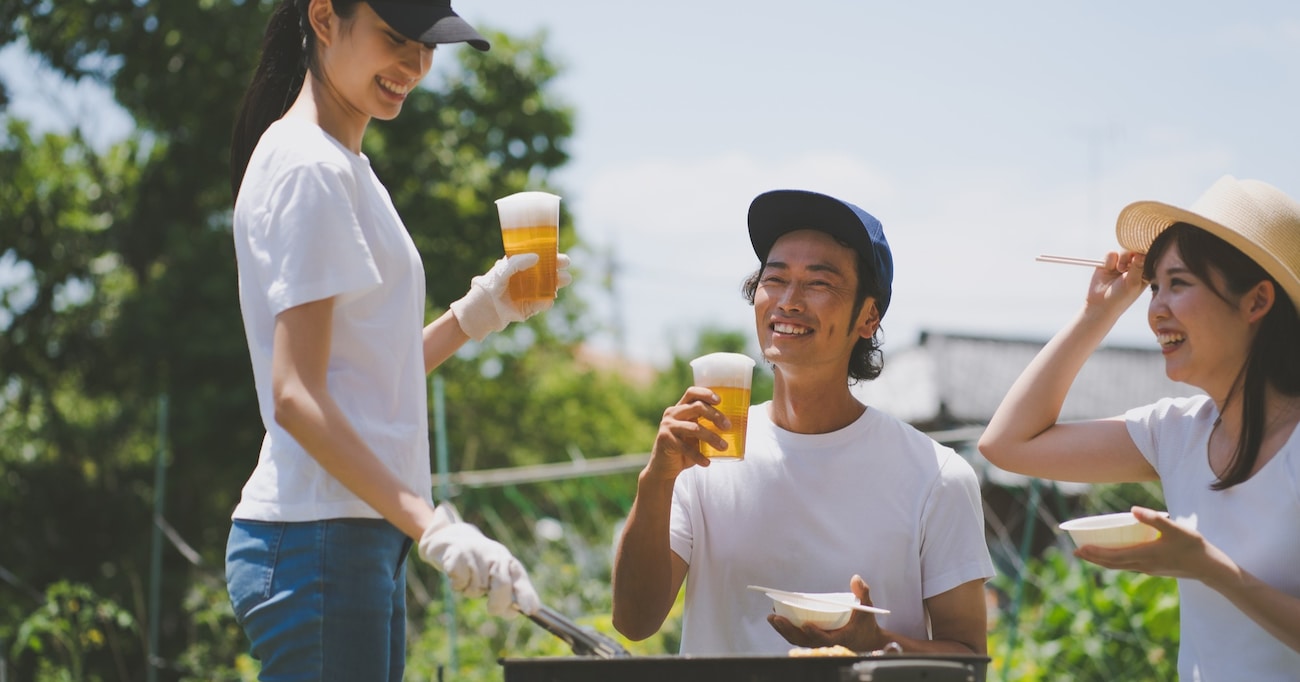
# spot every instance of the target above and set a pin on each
(730, 375)
(530, 223)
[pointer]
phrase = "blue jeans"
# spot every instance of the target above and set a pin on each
(321, 600)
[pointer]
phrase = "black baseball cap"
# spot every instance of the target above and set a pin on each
(777, 212)
(428, 21)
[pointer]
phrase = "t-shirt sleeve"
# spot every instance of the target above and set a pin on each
(680, 535)
(1143, 424)
(953, 548)
(308, 244)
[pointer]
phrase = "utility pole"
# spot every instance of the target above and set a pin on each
(444, 495)
(609, 281)
(155, 555)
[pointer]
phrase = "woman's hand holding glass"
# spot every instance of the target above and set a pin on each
(488, 307)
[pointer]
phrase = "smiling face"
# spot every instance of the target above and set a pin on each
(804, 304)
(1204, 338)
(367, 68)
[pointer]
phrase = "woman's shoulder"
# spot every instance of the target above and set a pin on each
(1180, 407)
(296, 143)
(297, 154)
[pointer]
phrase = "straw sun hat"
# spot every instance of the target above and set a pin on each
(1253, 216)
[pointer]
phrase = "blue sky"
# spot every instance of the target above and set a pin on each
(981, 134)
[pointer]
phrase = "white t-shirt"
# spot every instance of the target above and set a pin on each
(1256, 523)
(806, 512)
(312, 222)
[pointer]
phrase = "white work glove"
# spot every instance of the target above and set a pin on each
(488, 307)
(476, 565)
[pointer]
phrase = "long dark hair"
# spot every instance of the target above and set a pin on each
(866, 361)
(288, 51)
(1274, 355)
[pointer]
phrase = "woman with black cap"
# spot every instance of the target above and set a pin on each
(332, 294)
(1225, 285)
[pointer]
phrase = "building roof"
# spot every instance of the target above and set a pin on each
(952, 379)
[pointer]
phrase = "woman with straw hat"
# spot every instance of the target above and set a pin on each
(1225, 285)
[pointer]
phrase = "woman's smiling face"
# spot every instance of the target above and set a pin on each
(1204, 338)
(369, 67)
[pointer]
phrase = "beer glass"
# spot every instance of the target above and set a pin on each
(730, 375)
(530, 223)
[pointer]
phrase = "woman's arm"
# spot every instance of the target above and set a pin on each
(1024, 436)
(307, 411)
(442, 338)
(1274, 610)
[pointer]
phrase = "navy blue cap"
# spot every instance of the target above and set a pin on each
(775, 213)
(428, 21)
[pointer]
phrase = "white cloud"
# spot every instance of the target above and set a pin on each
(679, 232)
(964, 241)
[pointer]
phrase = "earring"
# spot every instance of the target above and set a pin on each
(305, 28)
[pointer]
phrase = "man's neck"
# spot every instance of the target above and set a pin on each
(813, 405)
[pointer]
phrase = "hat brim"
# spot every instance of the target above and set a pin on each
(432, 23)
(1140, 223)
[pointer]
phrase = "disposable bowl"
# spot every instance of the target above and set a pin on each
(1109, 530)
(807, 612)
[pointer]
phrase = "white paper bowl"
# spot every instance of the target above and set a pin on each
(1109, 530)
(805, 612)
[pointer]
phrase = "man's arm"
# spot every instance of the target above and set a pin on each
(958, 621)
(647, 573)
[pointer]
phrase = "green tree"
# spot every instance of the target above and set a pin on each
(71, 452)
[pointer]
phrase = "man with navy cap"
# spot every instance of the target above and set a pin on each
(831, 494)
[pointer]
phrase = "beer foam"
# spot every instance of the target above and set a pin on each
(723, 369)
(528, 209)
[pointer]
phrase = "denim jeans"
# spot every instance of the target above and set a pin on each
(321, 600)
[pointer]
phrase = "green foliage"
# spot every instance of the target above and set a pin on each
(217, 650)
(570, 563)
(1080, 623)
(555, 408)
(71, 633)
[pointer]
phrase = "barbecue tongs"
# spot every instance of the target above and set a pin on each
(583, 641)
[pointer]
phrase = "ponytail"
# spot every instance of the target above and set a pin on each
(275, 84)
